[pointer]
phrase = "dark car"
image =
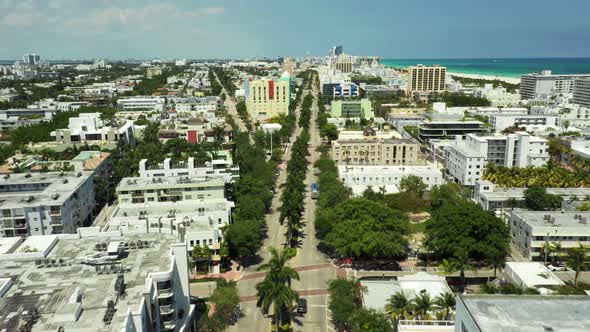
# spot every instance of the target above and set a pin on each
(302, 306)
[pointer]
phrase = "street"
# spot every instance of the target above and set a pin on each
(314, 268)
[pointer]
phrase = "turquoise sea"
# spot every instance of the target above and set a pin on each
(501, 67)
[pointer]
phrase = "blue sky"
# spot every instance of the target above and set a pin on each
(240, 28)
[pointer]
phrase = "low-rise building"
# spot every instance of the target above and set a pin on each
(97, 281)
(523, 313)
(448, 129)
(352, 109)
(503, 121)
(491, 197)
(359, 178)
(141, 103)
(467, 158)
(88, 127)
(532, 275)
(532, 230)
(45, 203)
(374, 151)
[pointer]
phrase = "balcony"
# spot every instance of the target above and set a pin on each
(165, 293)
(168, 326)
(167, 310)
(55, 213)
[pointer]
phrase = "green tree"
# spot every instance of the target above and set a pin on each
(330, 131)
(399, 307)
(423, 305)
(445, 303)
(465, 226)
(536, 198)
(460, 263)
(244, 239)
(345, 300)
(576, 259)
(199, 255)
(413, 183)
(225, 297)
(275, 290)
(370, 321)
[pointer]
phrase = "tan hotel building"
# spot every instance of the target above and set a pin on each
(424, 80)
(375, 151)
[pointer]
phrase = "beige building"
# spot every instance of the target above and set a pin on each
(153, 71)
(289, 66)
(425, 79)
(375, 151)
(268, 98)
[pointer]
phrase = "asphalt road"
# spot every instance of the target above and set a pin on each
(314, 268)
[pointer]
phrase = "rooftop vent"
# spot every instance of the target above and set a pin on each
(65, 181)
(55, 196)
(29, 199)
(28, 175)
(79, 174)
(6, 176)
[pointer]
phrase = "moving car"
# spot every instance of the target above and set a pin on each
(302, 306)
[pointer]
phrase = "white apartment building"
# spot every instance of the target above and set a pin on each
(492, 197)
(532, 230)
(88, 127)
(359, 178)
(503, 121)
(142, 103)
(545, 84)
(45, 203)
(489, 111)
(96, 281)
(53, 105)
(498, 96)
(220, 167)
(467, 159)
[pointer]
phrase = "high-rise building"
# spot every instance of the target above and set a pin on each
(582, 92)
(544, 84)
(31, 59)
(289, 66)
(426, 79)
(280, 60)
(343, 63)
(268, 98)
(336, 50)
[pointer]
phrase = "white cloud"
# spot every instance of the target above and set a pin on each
(58, 14)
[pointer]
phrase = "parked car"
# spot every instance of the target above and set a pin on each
(557, 267)
(302, 306)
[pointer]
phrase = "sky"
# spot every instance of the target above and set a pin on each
(202, 29)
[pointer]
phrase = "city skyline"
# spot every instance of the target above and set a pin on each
(61, 29)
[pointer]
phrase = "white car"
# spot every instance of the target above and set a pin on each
(557, 267)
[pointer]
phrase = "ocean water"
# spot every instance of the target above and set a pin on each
(500, 67)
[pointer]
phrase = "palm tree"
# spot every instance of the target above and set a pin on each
(423, 305)
(576, 258)
(446, 304)
(399, 307)
(275, 290)
(460, 263)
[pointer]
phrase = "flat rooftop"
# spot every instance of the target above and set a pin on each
(562, 219)
(50, 285)
(142, 182)
(507, 193)
(32, 189)
(532, 313)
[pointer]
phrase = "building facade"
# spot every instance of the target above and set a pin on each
(141, 103)
(268, 98)
(88, 127)
(426, 79)
(531, 230)
(375, 151)
(448, 129)
(544, 84)
(582, 92)
(503, 121)
(352, 109)
(467, 159)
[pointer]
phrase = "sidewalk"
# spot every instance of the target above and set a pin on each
(232, 274)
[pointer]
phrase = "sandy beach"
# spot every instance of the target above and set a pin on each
(511, 80)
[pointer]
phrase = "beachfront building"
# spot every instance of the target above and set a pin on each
(466, 159)
(424, 80)
(96, 281)
(545, 84)
(268, 98)
(582, 92)
(45, 203)
(374, 151)
(487, 313)
(359, 178)
(89, 128)
(531, 230)
(352, 109)
(503, 121)
(448, 129)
